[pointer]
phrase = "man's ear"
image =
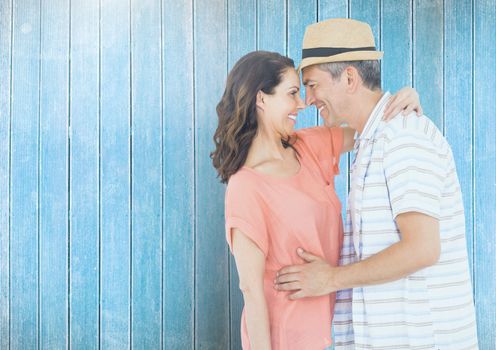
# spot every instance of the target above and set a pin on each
(353, 79)
(260, 100)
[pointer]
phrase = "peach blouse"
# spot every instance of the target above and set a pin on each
(280, 214)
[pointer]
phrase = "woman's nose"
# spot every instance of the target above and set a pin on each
(309, 99)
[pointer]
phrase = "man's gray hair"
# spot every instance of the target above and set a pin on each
(370, 71)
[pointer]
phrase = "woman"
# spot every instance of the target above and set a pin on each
(280, 196)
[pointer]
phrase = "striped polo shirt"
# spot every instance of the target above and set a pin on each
(405, 165)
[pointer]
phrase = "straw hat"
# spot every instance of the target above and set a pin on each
(338, 40)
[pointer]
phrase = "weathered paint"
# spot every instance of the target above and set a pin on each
(111, 215)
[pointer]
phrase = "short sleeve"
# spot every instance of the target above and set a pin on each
(244, 210)
(326, 143)
(414, 174)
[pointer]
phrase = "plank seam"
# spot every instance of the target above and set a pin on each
(444, 70)
(10, 163)
(162, 180)
(68, 342)
(379, 35)
(472, 168)
(193, 136)
(412, 40)
(99, 332)
(286, 39)
(348, 154)
(256, 25)
(130, 205)
(39, 309)
(317, 5)
(229, 276)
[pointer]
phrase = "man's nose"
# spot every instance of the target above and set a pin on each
(309, 99)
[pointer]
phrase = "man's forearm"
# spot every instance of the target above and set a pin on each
(419, 248)
(393, 263)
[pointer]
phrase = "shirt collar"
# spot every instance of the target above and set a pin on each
(374, 119)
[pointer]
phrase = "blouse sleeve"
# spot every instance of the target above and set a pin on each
(326, 143)
(244, 210)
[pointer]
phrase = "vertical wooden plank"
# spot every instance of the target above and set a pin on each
(428, 57)
(178, 174)
(242, 39)
(24, 263)
(396, 38)
(458, 101)
(337, 9)
(84, 184)
(272, 25)
(54, 123)
(211, 270)
(115, 180)
(5, 81)
(241, 29)
(300, 14)
(146, 174)
(485, 170)
(332, 9)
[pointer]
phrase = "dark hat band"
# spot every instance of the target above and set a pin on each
(331, 51)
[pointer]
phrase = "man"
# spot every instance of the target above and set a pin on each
(403, 280)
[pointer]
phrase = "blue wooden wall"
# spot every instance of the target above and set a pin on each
(111, 216)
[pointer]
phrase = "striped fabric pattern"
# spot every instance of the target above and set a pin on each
(401, 166)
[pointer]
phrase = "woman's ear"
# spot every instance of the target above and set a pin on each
(260, 100)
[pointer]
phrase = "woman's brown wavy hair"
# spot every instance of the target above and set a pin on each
(254, 72)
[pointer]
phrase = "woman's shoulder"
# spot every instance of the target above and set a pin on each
(242, 181)
(244, 188)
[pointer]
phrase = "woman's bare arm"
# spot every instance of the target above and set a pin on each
(250, 262)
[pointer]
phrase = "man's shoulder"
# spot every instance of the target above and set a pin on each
(414, 137)
(411, 128)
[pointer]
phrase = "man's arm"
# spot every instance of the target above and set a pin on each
(250, 262)
(418, 248)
